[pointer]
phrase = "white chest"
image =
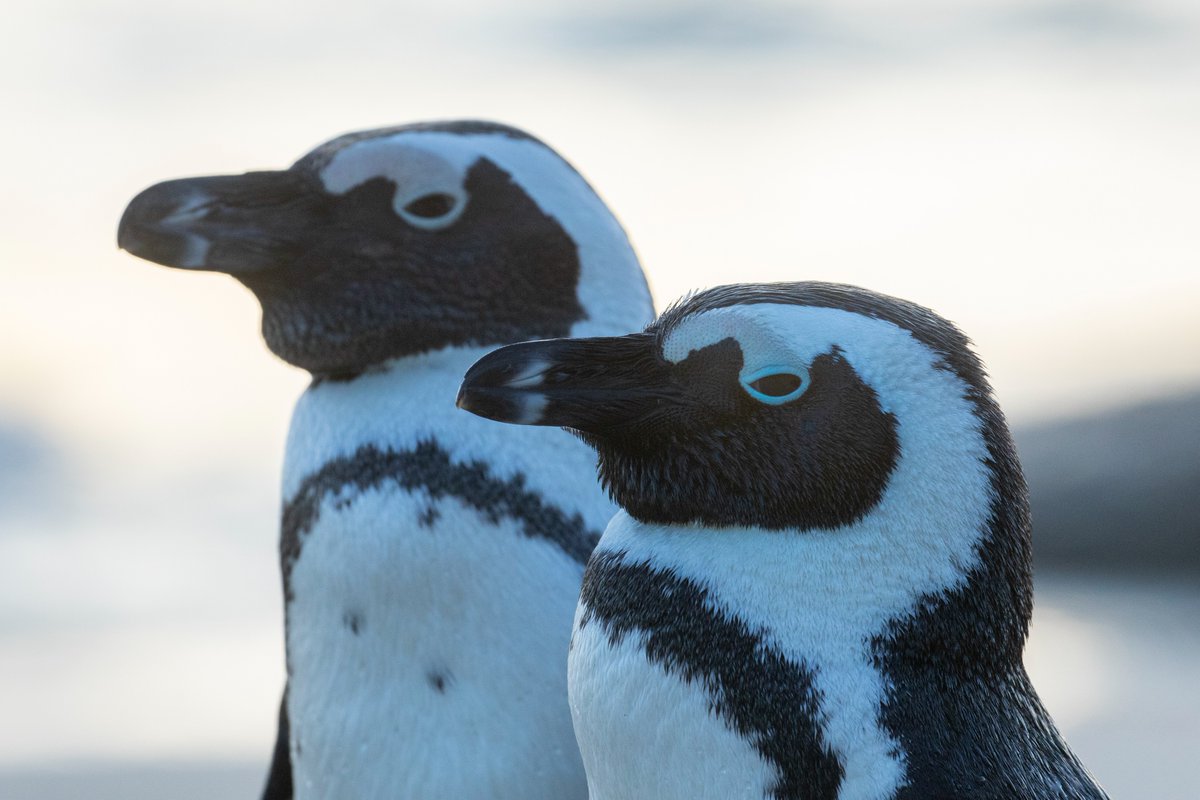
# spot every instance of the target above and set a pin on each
(429, 657)
(645, 733)
(427, 628)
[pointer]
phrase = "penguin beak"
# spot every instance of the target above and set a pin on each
(226, 223)
(589, 385)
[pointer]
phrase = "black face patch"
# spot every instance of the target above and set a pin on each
(718, 457)
(365, 286)
(428, 467)
(766, 699)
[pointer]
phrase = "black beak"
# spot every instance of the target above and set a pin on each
(227, 223)
(590, 385)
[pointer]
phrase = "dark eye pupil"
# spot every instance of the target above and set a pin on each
(777, 385)
(431, 206)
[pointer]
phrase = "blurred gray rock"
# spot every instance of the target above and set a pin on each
(1119, 490)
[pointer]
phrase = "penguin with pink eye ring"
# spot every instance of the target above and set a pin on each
(431, 560)
(819, 585)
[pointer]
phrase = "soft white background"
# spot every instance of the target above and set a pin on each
(1028, 168)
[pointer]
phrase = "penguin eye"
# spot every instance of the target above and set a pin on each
(433, 211)
(431, 206)
(776, 385)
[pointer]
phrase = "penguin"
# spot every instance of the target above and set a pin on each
(819, 584)
(431, 560)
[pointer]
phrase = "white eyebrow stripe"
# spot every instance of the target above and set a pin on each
(414, 168)
(762, 341)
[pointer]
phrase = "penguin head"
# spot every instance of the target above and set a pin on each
(393, 242)
(788, 406)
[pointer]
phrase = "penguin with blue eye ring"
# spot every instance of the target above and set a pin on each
(431, 560)
(819, 586)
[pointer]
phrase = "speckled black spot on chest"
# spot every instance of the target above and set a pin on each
(428, 516)
(821, 461)
(439, 679)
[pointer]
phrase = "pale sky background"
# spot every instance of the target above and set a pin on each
(1028, 168)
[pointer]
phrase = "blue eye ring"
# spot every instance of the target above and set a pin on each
(800, 373)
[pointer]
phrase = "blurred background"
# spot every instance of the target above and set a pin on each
(1028, 168)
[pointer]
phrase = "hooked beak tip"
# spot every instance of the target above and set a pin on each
(463, 399)
(502, 404)
(157, 225)
(505, 388)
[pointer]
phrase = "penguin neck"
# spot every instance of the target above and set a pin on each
(408, 402)
(395, 404)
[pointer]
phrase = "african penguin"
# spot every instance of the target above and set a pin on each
(431, 560)
(819, 585)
